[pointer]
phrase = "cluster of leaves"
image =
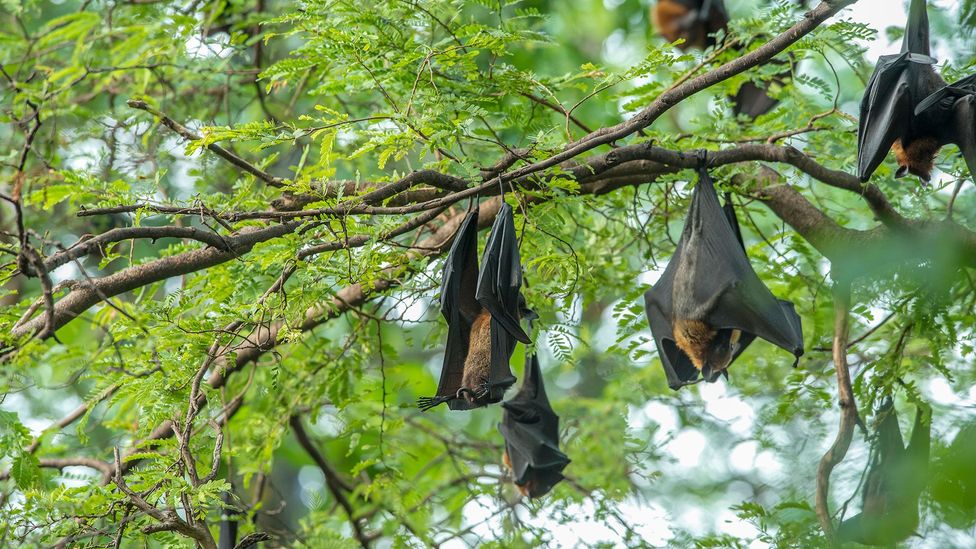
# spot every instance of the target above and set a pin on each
(330, 95)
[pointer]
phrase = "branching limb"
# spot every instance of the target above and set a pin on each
(186, 133)
(848, 409)
(332, 480)
(168, 520)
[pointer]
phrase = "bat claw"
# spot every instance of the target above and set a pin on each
(426, 403)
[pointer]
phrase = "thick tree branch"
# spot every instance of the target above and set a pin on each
(90, 244)
(675, 95)
(88, 293)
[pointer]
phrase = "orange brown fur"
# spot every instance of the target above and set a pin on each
(477, 365)
(919, 157)
(694, 337)
(666, 18)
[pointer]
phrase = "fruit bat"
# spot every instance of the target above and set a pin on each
(909, 109)
(895, 480)
(531, 432)
(482, 309)
(709, 304)
(698, 21)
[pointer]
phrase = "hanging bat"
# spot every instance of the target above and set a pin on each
(482, 309)
(709, 304)
(895, 480)
(696, 21)
(909, 109)
(531, 432)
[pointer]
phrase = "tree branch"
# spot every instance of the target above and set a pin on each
(848, 408)
(332, 480)
(186, 133)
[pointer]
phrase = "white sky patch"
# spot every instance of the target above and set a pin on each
(312, 484)
(768, 465)
(687, 447)
(742, 458)
(881, 14)
(728, 523)
(728, 408)
(409, 308)
(939, 390)
(211, 48)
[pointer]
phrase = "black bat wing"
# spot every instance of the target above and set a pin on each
(459, 279)
(743, 302)
(459, 307)
(957, 104)
(500, 278)
(531, 432)
(885, 113)
(752, 101)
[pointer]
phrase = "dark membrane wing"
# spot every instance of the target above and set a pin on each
(729, 210)
(916, 38)
(964, 131)
(885, 113)
(500, 278)
(460, 275)
(896, 477)
(459, 307)
(752, 101)
(744, 304)
(531, 432)
(657, 305)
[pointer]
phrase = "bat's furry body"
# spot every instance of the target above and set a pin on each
(477, 365)
(676, 19)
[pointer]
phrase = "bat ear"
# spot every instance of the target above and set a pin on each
(901, 172)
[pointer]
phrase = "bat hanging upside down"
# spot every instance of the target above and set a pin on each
(909, 109)
(710, 350)
(709, 305)
(696, 21)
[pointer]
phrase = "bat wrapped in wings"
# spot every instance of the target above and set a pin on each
(482, 309)
(895, 480)
(909, 109)
(531, 432)
(709, 304)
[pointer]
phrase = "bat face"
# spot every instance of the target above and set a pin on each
(917, 159)
(722, 350)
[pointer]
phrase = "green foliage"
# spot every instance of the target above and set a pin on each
(336, 99)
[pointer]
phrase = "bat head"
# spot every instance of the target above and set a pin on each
(918, 158)
(720, 353)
